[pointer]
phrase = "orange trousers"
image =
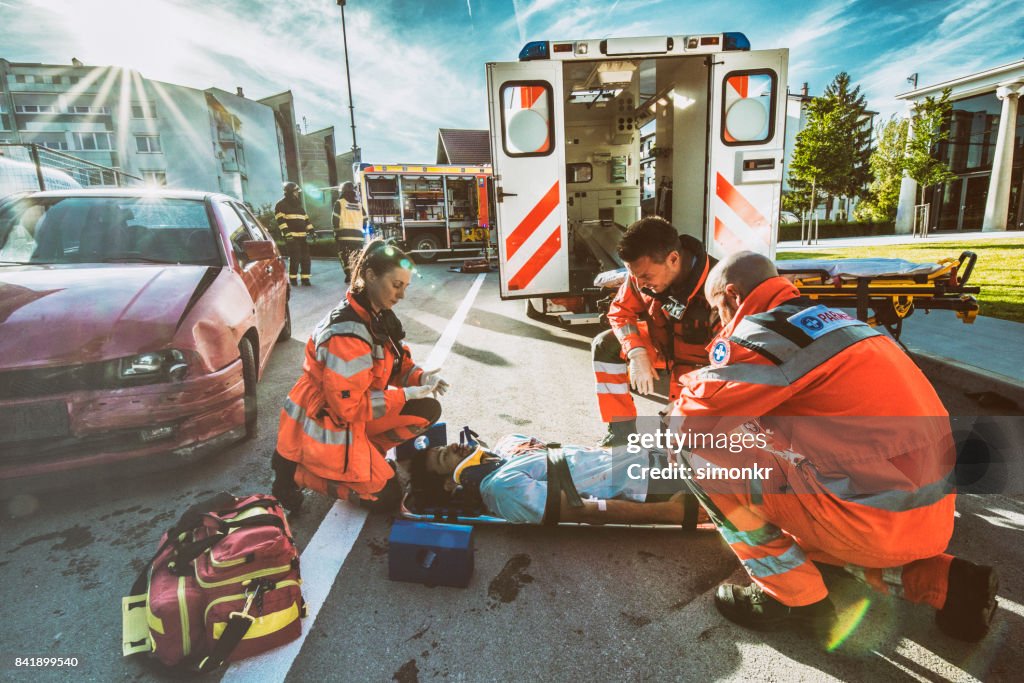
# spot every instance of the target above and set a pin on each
(384, 434)
(779, 536)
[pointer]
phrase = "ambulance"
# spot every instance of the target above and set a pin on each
(428, 210)
(566, 124)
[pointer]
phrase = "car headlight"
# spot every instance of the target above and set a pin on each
(154, 366)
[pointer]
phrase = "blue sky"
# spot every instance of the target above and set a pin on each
(419, 65)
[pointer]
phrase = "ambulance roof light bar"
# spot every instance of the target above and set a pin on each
(647, 46)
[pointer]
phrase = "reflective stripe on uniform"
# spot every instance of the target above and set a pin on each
(347, 329)
(609, 388)
(313, 430)
(404, 379)
(766, 534)
(892, 501)
(775, 564)
(610, 368)
(294, 216)
(347, 368)
(792, 361)
(625, 331)
(379, 403)
(747, 373)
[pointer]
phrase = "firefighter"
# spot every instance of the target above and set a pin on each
(296, 228)
(348, 227)
(659, 312)
(860, 464)
(359, 395)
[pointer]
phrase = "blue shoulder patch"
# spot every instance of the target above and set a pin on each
(817, 321)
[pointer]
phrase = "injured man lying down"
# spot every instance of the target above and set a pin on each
(523, 480)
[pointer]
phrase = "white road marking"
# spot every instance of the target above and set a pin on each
(332, 542)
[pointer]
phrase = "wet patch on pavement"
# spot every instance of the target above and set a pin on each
(506, 585)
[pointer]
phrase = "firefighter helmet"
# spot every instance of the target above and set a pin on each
(290, 188)
(348, 191)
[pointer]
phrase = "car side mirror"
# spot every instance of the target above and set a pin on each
(259, 250)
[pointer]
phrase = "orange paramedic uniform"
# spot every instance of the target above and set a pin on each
(344, 412)
(858, 441)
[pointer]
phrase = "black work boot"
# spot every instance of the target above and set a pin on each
(970, 601)
(618, 433)
(751, 607)
(284, 488)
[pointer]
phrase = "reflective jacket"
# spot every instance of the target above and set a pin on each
(347, 221)
(353, 362)
(292, 220)
(676, 334)
(861, 425)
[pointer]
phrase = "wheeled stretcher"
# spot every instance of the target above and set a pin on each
(884, 291)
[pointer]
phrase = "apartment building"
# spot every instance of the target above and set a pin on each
(170, 135)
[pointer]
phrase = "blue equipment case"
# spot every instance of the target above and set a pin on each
(430, 553)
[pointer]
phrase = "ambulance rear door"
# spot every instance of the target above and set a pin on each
(527, 138)
(747, 117)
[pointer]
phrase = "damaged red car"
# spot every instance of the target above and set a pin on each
(133, 323)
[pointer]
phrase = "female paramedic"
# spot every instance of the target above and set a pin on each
(359, 394)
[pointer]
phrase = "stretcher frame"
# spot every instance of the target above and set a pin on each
(886, 300)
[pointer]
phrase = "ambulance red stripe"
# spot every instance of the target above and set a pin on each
(725, 237)
(742, 208)
(525, 276)
(531, 221)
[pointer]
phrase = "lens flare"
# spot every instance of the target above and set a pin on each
(847, 622)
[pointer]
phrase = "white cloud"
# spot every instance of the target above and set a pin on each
(968, 39)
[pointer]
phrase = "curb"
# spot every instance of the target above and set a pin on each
(971, 379)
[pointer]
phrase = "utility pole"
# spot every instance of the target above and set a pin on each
(348, 79)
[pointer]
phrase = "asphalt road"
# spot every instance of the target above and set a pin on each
(571, 603)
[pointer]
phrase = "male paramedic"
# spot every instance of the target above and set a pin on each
(860, 452)
(659, 313)
(524, 481)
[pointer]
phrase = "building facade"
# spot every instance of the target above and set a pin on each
(985, 150)
(168, 134)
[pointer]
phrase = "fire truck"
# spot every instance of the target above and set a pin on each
(566, 124)
(429, 211)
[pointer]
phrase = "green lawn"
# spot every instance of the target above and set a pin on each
(999, 272)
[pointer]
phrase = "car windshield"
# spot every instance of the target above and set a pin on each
(145, 229)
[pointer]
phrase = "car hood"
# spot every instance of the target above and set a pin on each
(53, 315)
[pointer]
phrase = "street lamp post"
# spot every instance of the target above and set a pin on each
(348, 79)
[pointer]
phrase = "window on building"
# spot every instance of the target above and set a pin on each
(82, 109)
(35, 109)
(19, 78)
(55, 144)
(94, 141)
(148, 144)
(73, 80)
(56, 80)
(143, 110)
(155, 178)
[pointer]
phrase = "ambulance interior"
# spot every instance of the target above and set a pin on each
(609, 105)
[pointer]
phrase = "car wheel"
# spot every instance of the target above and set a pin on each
(286, 331)
(248, 356)
(428, 245)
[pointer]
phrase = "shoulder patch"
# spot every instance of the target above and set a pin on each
(719, 353)
(817, 321)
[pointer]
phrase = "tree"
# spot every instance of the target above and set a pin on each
(832, 151)
(927, 129)
(887, 164)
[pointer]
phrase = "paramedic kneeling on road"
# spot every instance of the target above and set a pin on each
(659, 312)
(592, 486)
(359, 394)
(859, 467)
